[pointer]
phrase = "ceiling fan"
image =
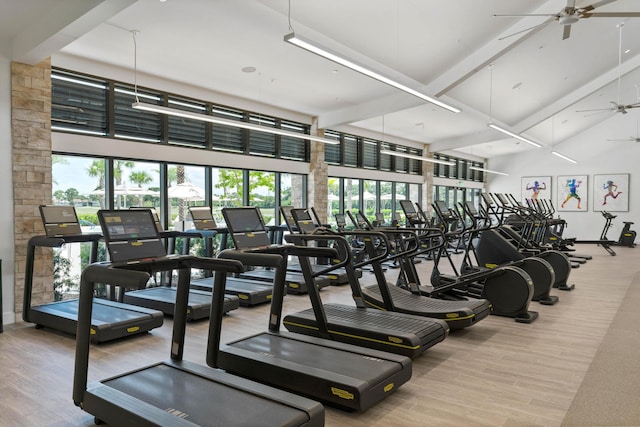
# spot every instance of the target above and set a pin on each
(617, 107)
(633, 138)
(571, 14)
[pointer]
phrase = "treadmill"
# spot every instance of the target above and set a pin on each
(248, 292)
(120, 230)
(342, 375)
(171, 393)
(383, 330)
(458, 313)
(110, 320)
(336, 276)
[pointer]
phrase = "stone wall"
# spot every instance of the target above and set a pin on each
(318, 181)
(31, 139)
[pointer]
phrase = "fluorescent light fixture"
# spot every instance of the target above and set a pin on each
(476, 168)
(413, 156)
(332, 56)
(562, 156)
(514, 135)
(233, 123)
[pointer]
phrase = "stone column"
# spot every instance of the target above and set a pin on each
(427, 186)
(31, 153)
(318, 191)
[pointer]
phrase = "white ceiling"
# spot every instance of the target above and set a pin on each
(536, 83)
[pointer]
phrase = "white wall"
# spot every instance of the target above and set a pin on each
(6, 193)
(595, 155)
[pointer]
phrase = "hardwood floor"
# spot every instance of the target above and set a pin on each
(496, 373)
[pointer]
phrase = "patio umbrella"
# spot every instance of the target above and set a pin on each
(186, 191)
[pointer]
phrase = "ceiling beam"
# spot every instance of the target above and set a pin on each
(580, 93)
(66, 21)
(464, 69)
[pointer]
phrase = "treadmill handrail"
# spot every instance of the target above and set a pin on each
(124, 275)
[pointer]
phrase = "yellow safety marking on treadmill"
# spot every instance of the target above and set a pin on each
(62, 225)
(93, 331)
(491, 265)
(375, 306)
(452, 315)
(315, 328)
(269, 296)
(243, 296)
(136, 243)
(293, 285)
(343, 394)
(395, 340)
(332, 277)
(133, 329)
(388, 387)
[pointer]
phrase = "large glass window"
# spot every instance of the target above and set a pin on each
(262, 194)
(351, 191)
(186, 187)
(78, 182)
(369, 199)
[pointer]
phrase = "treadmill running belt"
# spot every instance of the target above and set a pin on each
(458, 314)
(351, 364)
(202, 401)
(388, 331)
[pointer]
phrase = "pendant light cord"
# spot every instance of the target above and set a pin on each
(490, 93)
(135, 64)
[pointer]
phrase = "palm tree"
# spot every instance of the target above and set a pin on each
(180, 179)
(140, 178)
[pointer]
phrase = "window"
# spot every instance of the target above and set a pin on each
(332, 151)
(370, 154)
(78, 103)
(261, 143)
(136, 124)
(187, 131)
(350, 147)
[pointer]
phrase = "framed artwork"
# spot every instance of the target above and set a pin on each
(535, 187)
(573, 193)
(611, 192)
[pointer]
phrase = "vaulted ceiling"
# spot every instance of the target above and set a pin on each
(536, 84)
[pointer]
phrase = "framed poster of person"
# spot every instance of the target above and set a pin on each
(535, 188)
(572, 193)
(611, 192)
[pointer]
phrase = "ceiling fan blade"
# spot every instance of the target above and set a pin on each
(555, 15)
(566, 32)
(596, 109)
(596, 5)
(611, 15)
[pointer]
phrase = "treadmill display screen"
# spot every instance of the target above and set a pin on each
(129, 225)
(407, 207)
(201, 213)
(243, 220)
(58, 214)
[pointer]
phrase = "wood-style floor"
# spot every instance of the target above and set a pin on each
(496, 373)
